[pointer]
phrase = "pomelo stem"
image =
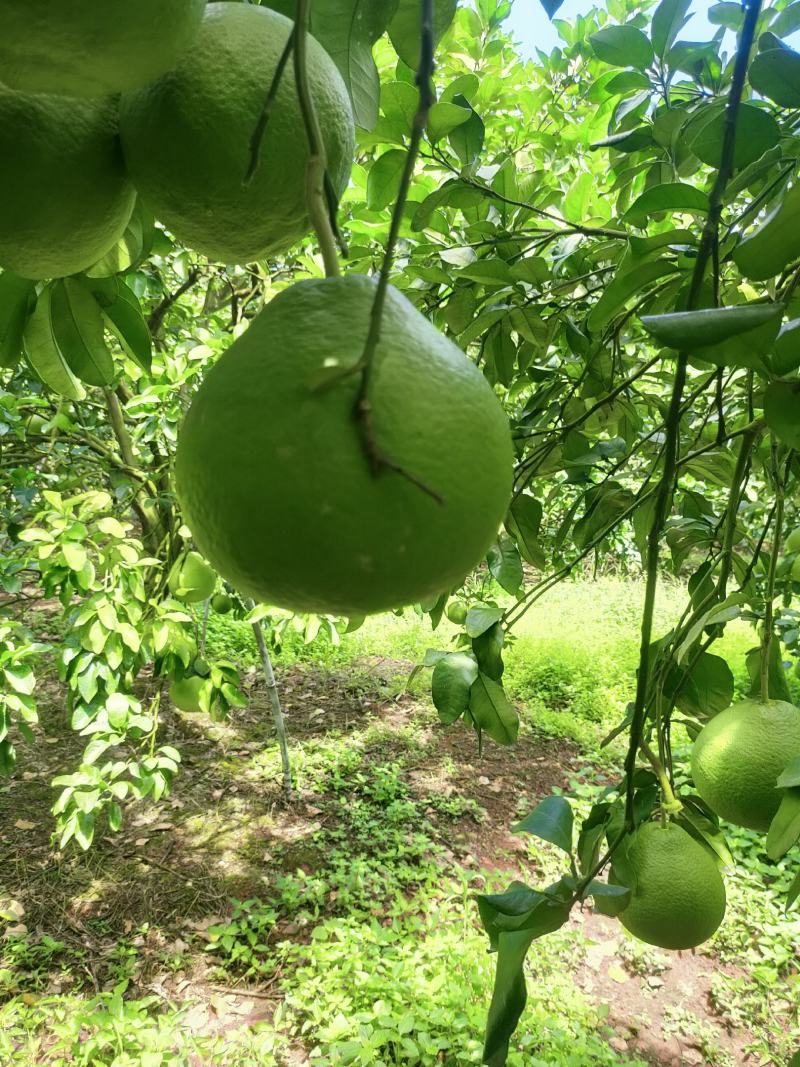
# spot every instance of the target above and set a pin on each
(769, 613)
(363, 407)
(317, 161)
(705, 255)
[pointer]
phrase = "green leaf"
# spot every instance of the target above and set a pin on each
(383, 182)
(505, 565)
(134, 245)
(466, 139)
(8, 758)
(488, 649)
(707, 690)
(787, 21)
(671, 196)
(444, 117)
(732, 336)
(551, 821)
(782, 411)
(791, 776)
(78, 330)
(523, 522)
(43, 352)
(786, 357)
(347, 30)
(492, 712)
(784, 829)
(669, 19)
(450, 685)
(777, 683)
(622, 46)
(629, 280)
(791, 896)
(510, 995)
(405, 28)
(123, 315)
(480, 618)
(16, 296)
(765, 252)
(776, 75)
(756, 132)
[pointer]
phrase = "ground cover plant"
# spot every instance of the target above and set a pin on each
(314, 309)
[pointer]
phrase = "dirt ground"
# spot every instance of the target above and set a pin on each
(171, 872)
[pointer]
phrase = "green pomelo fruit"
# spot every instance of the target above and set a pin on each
(272, 471)
(191, 579)
(64, 196)
(678, 895)
(793, 541)
(221, 603)
(738, 757)
(186, 693)
(405, 29)
(187, 137)
(92, 47)
(456, 612)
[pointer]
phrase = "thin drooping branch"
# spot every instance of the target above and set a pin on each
(316, 187)
(672, 443)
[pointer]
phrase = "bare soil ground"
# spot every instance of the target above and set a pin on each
(173, 870)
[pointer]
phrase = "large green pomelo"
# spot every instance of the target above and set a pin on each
(64, 197)
(738, 757)
(92, 47)
(273, 476)
(187, 137)
(678, 896)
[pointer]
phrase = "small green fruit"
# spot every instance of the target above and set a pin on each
(221, 603)
(793, 541)
(187, 693)
(192, 579)
(456, 612)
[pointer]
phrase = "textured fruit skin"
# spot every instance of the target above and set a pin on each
(64, 197)
(738, 757)
(678, 900)
(187, 137)
(92, 47)
(272, 475)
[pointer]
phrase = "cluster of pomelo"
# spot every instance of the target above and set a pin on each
(101, 100)
(677, 892)
(278, 484)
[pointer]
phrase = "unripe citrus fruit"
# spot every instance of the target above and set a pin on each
(187, 137)
(191, 579)
(186, 694)
(456, 612)
(92, 47)
(221, 603)
(739, 755)
(793, 541)
(273, 475)
(678, 896)
(64, 196)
